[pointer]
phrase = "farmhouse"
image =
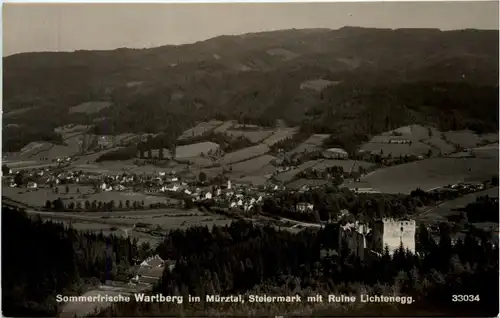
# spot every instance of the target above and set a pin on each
(194, 150)
(32, 185)
(152, 262)
(335, 153)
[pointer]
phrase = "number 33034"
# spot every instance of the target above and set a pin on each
(464, 298)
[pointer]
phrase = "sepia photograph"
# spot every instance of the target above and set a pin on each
(287, 159)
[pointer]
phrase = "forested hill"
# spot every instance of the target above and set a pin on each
(262, 76)
(42, 259)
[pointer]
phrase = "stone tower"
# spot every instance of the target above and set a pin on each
(397, 232)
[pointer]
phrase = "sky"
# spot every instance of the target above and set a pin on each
(88, 26)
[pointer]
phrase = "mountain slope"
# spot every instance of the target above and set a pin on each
(256, 76)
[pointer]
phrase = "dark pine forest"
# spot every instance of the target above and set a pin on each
(44, 259)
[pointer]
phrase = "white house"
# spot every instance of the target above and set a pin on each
(32, 185)
(208, 196)
(152, 262)
(106, 187)
(304, 207)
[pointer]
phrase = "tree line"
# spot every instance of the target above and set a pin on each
(248, 259)
(42, 259)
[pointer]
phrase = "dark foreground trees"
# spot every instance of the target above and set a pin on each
(246, 259)
(42, 259)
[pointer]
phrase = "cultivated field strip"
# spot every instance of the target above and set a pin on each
(200, 129)
(431, 173)
(244, 154)
(279, 135)
(311, 144)
(254, 136)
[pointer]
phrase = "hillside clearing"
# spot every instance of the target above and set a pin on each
(317, 84)
(254, 136)
(289, 175)
(194, 150)
(244, 154)
(225, 126)
(253, 164)
(431, 173)
(279, 135)
(313, 143)
(89, 107)
(396, 150)
(347, 165)
(200, 129)
(441, 211)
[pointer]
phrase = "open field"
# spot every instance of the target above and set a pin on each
(440, 212)
(33, 165)
(199, 161)
(122, 223)
(70, 130)
(225, 126)
(33, 148)
(288, 175)
(423, 139)
(126, 166)
(411, 132)
(91, 157)
(431, 173)
(279, 135)
(89, 107)
(194, 150)
(256, 180)
(19, 164)
(313, 143)
(489, 151)
(253, 164)
(317, 84)
(38, 197)
(395, 150)
(200, 129)
(244, 154)
(437, 142)
(124, 196)
(297, 184)
(345, 164)
(254, 136)
(16, 112)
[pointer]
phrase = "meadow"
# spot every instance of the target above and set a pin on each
(244, 154)
(200, 129)
(89, 107)
(431, 173)
(313, 143)
(442, 211)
